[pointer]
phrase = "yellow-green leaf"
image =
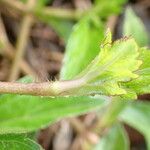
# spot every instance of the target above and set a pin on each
(141, 85)
(115, 63)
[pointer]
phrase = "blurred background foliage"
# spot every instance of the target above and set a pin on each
(35, 36)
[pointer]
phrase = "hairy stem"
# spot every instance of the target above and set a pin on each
(58, 88)
(42, 89)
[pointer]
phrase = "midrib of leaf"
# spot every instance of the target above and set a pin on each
(111, 62)
(102, 69)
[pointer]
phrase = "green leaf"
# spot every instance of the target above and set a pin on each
(82, 47)
(17, 142)
(134, 26)
(20, 114)
(115, 139)
(137, 115)
(106, 8)
(141, 85)
(115, 63)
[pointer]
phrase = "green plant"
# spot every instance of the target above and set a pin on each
(105, 81)
(101, 77)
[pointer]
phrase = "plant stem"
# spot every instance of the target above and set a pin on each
(42, 89)
(21, 42)
(52, 12)
(58, 88)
